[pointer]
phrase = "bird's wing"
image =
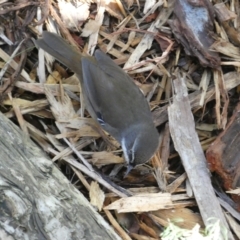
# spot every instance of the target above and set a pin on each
(112, 93)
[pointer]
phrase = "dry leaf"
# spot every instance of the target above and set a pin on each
(92, 26)
(96, 195)
(73, 13)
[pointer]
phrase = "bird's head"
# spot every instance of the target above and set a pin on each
(139, 145)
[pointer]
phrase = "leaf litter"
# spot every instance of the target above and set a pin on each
(168, 47)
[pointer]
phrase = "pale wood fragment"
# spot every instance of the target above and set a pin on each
(96, 195)
(186, 142)
(141, 203)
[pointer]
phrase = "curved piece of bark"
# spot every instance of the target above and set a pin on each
(37, 201)
(193, 28)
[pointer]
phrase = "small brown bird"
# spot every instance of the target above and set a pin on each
(111, 98)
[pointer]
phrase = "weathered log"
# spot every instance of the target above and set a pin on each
(37, 201)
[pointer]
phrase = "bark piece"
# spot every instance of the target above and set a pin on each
(37, 201)
(186, 142)
(223, 155)
(193, 28)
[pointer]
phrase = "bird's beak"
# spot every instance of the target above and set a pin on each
(129, 168)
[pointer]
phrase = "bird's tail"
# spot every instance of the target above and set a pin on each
(61, 50)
